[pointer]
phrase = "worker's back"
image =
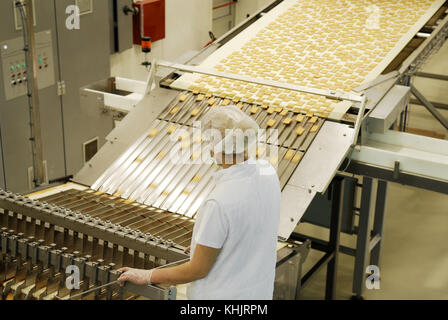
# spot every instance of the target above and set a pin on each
(242, 216)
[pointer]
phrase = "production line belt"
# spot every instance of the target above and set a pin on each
(39, 240)
(146, 174)
(109, 209)
(139, 212)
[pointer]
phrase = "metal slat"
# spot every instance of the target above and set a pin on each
(134, 182)
(125, 169)
(190, 191)
(157, 181)
(102, 179)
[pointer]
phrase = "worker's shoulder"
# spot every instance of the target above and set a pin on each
(231, 189)
(268, 174)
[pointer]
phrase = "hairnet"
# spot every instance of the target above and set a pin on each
(234, 131)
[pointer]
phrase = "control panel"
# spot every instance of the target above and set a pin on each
(15, 69)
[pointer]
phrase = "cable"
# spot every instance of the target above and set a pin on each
(19, 6)
(349, 160)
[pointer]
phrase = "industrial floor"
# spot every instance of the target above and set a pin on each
(414, 254)
(414, 261)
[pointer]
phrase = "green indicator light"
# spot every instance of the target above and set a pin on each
(41, 60)
(13, 68)
(24, 65)
(19, 66)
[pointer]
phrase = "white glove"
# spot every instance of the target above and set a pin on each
(136, 276)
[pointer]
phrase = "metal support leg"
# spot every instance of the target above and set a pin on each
(299, 276)
(429, 106)
(363, 238)
(333, 245)
(380, 208)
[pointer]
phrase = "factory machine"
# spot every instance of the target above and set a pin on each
(331, 134)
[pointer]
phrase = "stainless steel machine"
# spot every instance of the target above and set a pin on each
(131, 205)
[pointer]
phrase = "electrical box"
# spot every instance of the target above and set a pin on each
(150, 20)
(14, 65)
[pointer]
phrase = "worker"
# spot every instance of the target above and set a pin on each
(233, 248)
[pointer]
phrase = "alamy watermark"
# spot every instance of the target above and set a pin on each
(373, 280)
(374, 20)
(73, 280)
(73, 21)
(197, 145)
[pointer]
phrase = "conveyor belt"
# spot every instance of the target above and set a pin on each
(147, 174)
(333, 44)
(39, 240)
(133, 217)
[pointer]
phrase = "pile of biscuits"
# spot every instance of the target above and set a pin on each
(332, 44)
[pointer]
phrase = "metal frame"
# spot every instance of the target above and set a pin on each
(360, 100)
(32, 217)
(385, 174)
(434, 41)
(292, 256)
(331, 248)
(321, 92)
(369, 237)
(80, 223)
(412, 64)
(429, 106)
(92, 272)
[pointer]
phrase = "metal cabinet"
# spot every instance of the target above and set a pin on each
(14, 113)
(84, 58)
(73, 59)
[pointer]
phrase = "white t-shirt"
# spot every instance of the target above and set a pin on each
(240, 217)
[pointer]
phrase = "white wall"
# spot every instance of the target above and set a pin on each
(187, 25)
(223, 18)
(245, 7)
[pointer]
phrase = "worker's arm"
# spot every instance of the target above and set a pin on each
(212, 231)
(196, 269)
